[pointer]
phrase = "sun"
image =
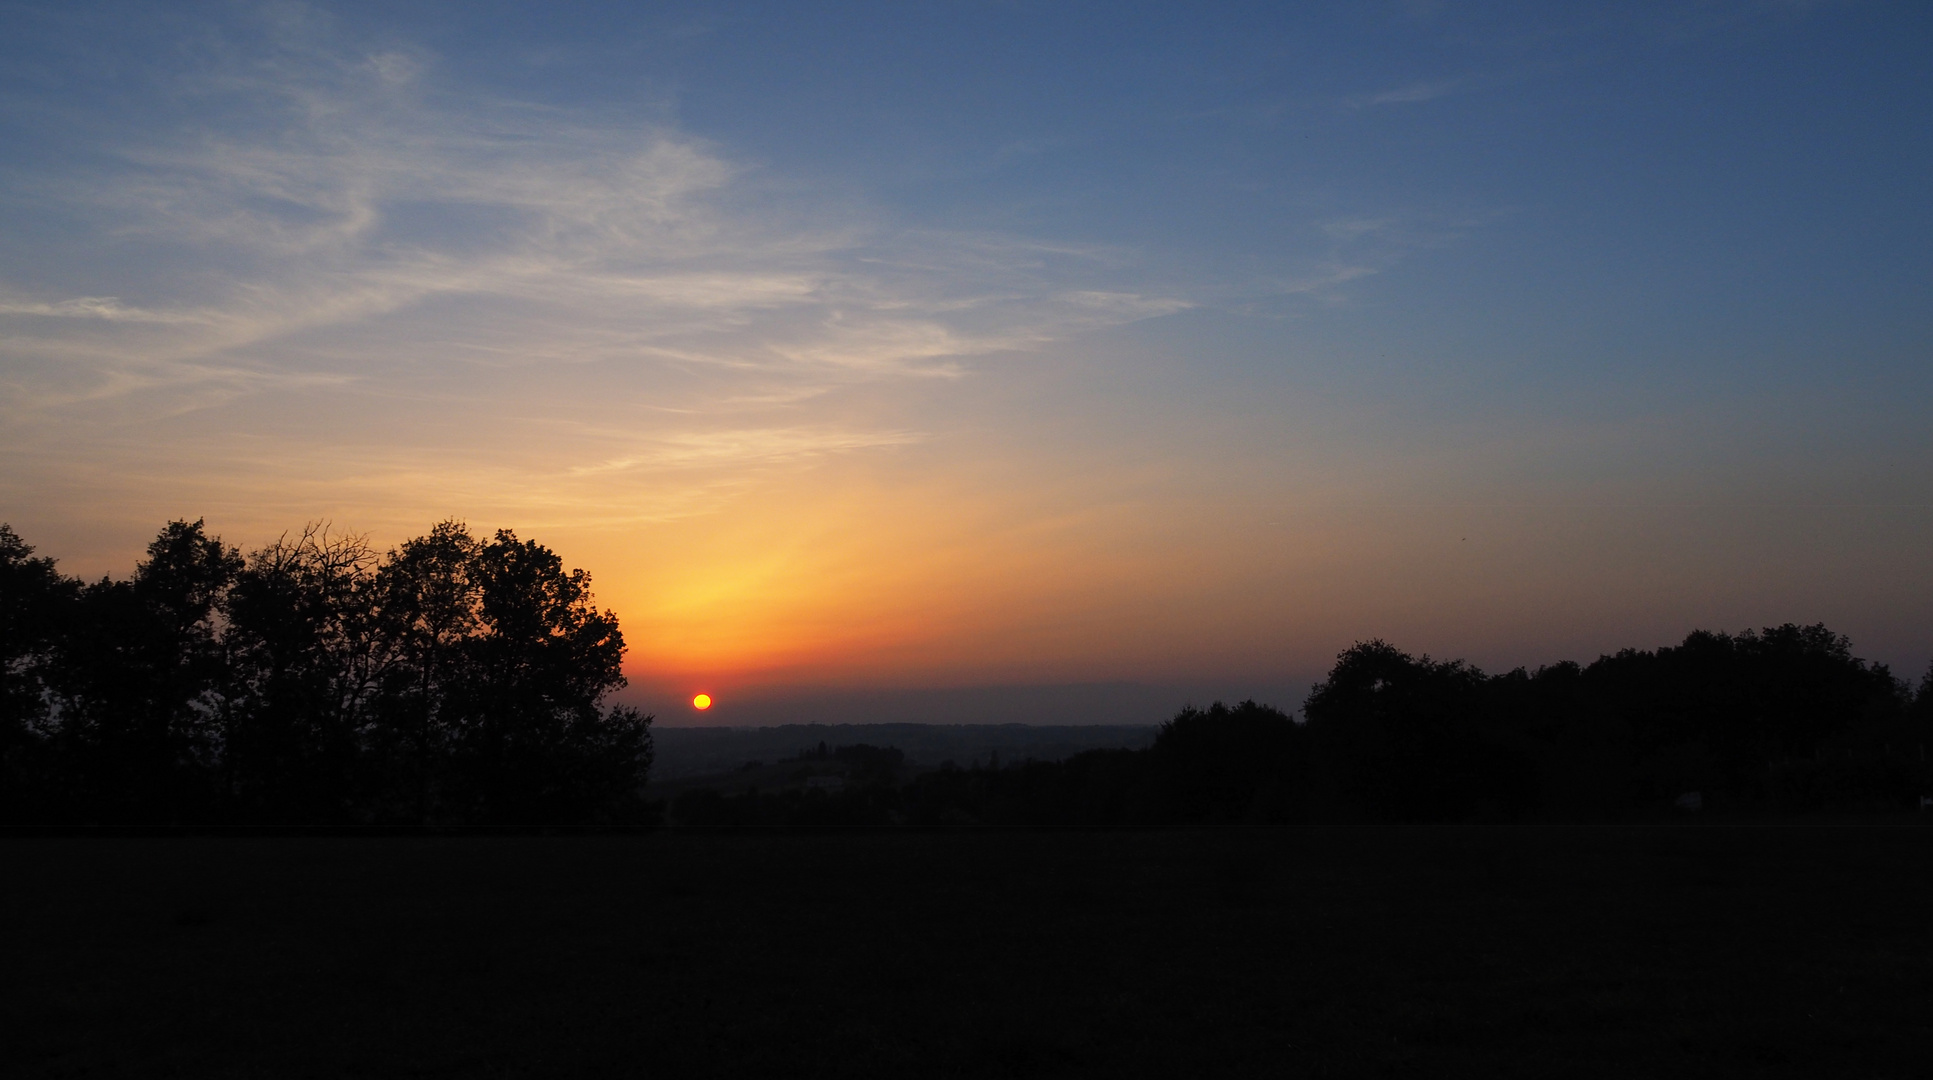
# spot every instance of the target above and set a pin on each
(701, 702)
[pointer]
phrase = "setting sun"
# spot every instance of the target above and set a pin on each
(702, 701)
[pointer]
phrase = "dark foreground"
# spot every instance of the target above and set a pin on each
(1529, 952)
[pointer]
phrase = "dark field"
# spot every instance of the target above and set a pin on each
(1532, 952)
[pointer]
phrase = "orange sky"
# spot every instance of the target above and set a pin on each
(839, 365)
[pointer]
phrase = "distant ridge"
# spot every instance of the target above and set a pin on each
(1052, 704)
(686, 752)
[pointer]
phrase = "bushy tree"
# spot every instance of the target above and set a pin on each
(34, 605)
(307, 662)
(532, 741)
(316, 682)
(1719, 712)
(427, 600)
(1404, 738)
(138, 680)
(1246, 764)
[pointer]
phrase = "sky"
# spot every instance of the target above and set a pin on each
(1074, 360)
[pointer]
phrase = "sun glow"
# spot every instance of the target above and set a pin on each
(701, 702)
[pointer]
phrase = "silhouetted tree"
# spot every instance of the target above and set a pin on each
(453, 680)
(1719, 712)
(1579, 748)
(1243, 764)
(1404, 738)
(34, 605)
(315, 682)
(1391, 736)
(532, 742)
(1920, 716)
(307, 661)
(138, 678)
(427, 600)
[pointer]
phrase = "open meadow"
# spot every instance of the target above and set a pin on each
(1660, 951)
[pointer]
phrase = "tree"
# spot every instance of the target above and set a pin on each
(426, 600)
(137, 682)
(1718, 711)
(34, 604)
(533, 741)
(307, 660)
(1406, 738)
(1243, 764)
(315, 682)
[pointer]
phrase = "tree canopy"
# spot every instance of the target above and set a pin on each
(1779, 721)
(463, 680)
(316, 681)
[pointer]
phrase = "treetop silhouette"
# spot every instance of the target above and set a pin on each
(458, 680)
(315, 681)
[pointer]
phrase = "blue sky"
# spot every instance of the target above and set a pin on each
(980, 344)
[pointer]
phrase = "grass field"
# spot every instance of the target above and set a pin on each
(1350, 952)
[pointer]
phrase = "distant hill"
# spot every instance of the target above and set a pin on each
(689, 752)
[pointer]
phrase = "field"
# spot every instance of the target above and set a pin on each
(1686, 951)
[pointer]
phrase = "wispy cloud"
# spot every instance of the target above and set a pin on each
(1361, 246)
(104, 308)
(1324, 280)
(749, 447)
(323, 226)
(1411, 94)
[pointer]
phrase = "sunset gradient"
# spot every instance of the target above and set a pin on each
(984, 345)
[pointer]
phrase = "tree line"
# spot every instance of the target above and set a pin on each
(315, 681)
(1782, 721)
(458, 680)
